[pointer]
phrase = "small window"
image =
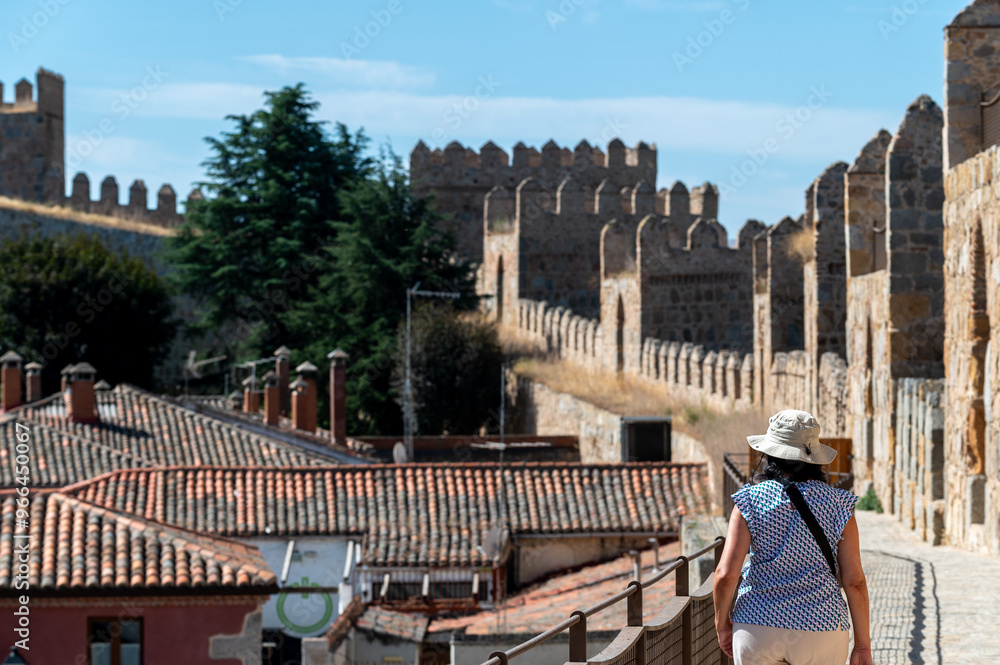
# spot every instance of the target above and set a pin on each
(989, 108)
(879, 258)
(115, 641)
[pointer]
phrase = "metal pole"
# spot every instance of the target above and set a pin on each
(407, 388)
(503, 398)
(409, 418)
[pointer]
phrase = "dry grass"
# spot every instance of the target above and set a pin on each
(616, 394)
(69, 214)
(803, 245)
(720, 431)
(726, 432)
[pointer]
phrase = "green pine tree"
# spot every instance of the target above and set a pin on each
(247, 253)
(387, 242)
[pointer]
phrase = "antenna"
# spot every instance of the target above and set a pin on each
(409, 422)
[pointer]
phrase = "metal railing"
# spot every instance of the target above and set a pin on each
(683, 633)
(736, 469)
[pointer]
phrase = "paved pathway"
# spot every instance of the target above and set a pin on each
(930, 605)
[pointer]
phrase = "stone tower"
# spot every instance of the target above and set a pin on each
(32, 140)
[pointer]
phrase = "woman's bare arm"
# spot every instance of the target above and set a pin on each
(727, 576)
(856, 587)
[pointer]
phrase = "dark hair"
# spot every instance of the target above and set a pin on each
(795, 470)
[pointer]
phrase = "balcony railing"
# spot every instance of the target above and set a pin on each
(736, 469)
(683, 633)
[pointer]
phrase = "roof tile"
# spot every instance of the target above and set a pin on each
(414, 514)
(75, 545)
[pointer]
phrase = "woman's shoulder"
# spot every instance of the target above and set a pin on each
(758, 490)
(835, 495)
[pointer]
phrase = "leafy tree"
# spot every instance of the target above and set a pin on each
(387, 241)
(455, 364)
(69, 298)
(246, 252)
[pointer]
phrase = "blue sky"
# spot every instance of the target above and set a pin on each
(711, 82)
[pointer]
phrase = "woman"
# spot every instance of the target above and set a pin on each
(788, 607)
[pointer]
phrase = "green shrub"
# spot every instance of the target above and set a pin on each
(869, 502)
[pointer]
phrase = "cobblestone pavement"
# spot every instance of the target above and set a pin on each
(933, 605)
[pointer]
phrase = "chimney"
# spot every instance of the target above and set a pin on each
(33, 372)
(251, 398)
(271, 399)
(64, 376)
(235, 400)
(102, 386)
(282, 369)
(10, 381)
(307, 372)
(338, 395)
(81, 402)
(300, 404)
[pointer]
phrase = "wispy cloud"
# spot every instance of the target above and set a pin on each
(674, 123)
(349, 73)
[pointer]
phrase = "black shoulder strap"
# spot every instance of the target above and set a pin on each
(800, 505)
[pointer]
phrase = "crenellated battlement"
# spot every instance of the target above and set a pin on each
(108, 202)
(458, 166)
(545, 244)
(697, 291)
(32, 139)
(460, 177)
(48, 100)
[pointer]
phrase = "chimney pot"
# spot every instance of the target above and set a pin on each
(271, 399)
(338, 395)
(64, 376)
(307, 372)
(282, 369)
(10, 381)
(81, 402)
(303, 405)
(33, 372)
(251, 396)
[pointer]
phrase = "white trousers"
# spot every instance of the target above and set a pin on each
(763, 645)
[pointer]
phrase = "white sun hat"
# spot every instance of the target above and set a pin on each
(793, 435)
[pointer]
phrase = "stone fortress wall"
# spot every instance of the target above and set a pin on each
(840, 311)
(33, 166)
(32, 139)
(460, 178)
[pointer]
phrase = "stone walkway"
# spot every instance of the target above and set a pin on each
(933, 605)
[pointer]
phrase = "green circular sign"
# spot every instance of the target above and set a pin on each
(296, 628)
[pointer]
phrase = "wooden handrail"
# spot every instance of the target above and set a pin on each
(633, 635)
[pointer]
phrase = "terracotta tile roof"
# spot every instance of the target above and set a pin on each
(137, 429)
(410, 515)
(544, 605)
(216, 406)
(380, 621)
(74, 546)
(341, 626)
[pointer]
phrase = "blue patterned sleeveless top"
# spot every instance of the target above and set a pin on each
(786, 580)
